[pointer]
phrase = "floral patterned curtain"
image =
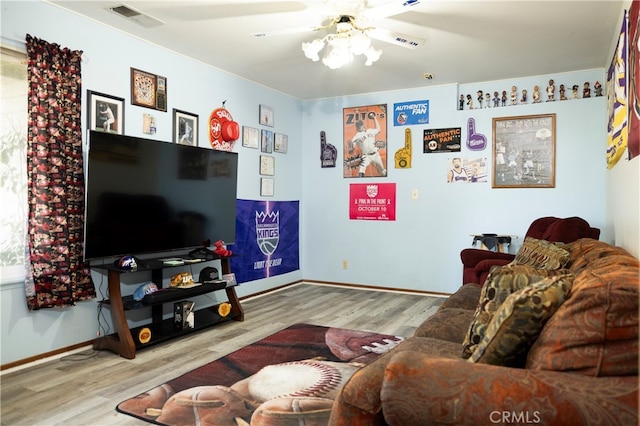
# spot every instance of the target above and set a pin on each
(55, 178)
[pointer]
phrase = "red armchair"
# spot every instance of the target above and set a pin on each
(476, 263)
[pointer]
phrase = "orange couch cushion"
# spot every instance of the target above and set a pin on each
(595, 331)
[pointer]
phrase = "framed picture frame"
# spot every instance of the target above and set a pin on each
(105, 112)
(266, 145)
(267, 165)
(266, 187)
(185, 128)
(265, 116)
(280, 143)
(524, 151)
(250, 137)
(364, 130)
(148, 90)
(161, 93)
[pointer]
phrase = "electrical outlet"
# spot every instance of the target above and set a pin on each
(345, 264)
(414, 194)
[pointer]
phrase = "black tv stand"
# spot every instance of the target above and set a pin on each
(126, 341)
(203, 253)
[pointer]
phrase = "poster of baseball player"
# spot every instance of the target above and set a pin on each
(365, 141)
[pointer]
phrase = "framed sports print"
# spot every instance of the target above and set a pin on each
(266, 116)
(266, 187)
(161, 93)
(267, 141)
(280, 143)
(250, 137)
(267, 165)
(365, 141)
(105, 112)
(524, 151)
(148, 90)
(185, 128)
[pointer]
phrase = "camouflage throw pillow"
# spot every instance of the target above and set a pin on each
(501, 282)
(519, 321)
(541, 254)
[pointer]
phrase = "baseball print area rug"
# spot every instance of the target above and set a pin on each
(290, 377)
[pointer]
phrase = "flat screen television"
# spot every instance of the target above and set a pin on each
(147, 196)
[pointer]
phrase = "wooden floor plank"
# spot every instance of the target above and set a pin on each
(84, 388)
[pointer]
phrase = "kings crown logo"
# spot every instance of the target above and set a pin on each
(267, 231)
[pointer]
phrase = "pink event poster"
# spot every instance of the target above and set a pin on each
(372, 201)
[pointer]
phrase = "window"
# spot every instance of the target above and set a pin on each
(13, 144)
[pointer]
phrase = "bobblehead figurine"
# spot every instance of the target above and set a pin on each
(514, 95)
(575, 91)
(551, 91)
(536, 94)
(598, 88)
(586, 91)
(563, 97)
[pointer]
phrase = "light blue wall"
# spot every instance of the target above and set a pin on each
(420, 250)
(192, 86)
(417, 251)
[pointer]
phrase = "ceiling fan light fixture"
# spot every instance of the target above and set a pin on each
(312, 49)
(343, 27)
(372, 56)
(348, 41)
(360, 43)
(337, 54)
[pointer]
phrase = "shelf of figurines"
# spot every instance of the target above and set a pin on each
(524, 96)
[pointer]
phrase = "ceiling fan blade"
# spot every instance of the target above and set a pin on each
(396, 38)
(389, 9)
(295, 30)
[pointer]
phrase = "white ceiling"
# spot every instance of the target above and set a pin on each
(466, 41)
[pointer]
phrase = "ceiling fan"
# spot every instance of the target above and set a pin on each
(353, 22)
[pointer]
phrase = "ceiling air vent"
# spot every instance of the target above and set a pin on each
(136, 16)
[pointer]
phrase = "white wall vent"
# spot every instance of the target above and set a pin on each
(136, 16)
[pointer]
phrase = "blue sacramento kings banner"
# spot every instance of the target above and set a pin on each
(266, 239)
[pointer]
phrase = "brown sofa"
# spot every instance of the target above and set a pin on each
(581, 369)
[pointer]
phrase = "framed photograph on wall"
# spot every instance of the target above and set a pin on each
(267, 141)
(266, 187)
(250, 137)
(524, 151)
(105, 112)
(280, 143)
(266, 116)
(185, 128)
(267, 165)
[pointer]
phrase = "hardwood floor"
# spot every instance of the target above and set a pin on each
(83, 388)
